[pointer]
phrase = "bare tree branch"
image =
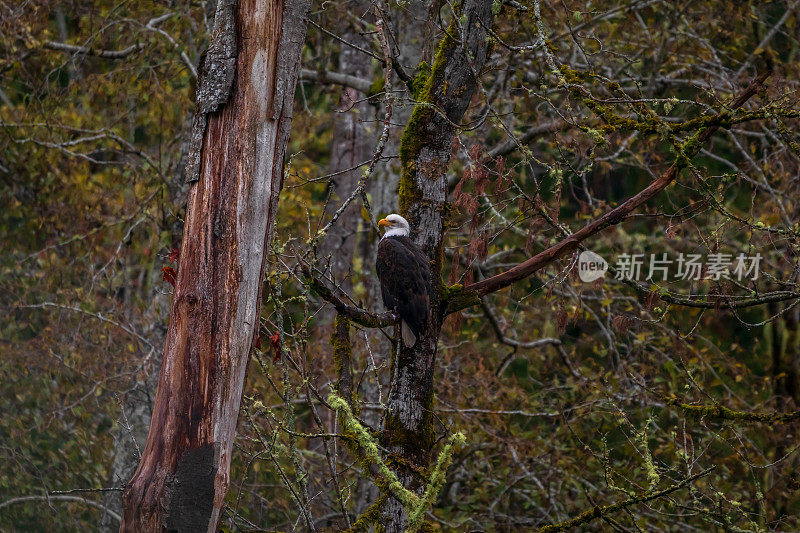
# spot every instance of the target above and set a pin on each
(97, 52)
(601, 512)
(327, 76)
(61, 497)
(356, 314)
(611, 218)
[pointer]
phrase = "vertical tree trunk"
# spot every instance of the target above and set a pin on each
(413, 36)
(411, 28)
(792, 362)
(353, 134)
(424, 154)
(184, 473)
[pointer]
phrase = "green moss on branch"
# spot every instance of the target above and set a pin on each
(370, 516)
(455, 298)
(720, 412)
(416, 517)
(367, 451)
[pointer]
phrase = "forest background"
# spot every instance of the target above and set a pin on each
(622, 404)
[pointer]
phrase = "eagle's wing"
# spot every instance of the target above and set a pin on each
(405, 281)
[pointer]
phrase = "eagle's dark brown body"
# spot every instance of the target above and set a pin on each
(405, 276)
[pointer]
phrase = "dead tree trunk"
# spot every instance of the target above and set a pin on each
(184, 473)
(424, 154)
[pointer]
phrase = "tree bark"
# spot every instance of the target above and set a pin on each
(353, 134)
(184, 473)
(425, 150)
(412, 32)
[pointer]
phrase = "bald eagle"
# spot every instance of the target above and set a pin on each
(405, 276)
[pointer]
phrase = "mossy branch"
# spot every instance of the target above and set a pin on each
(455, 298)
(652, 473)
(387, 481)
(600, 511)
(369, 516)
(416, 516)
(720, 412)
(416, 507)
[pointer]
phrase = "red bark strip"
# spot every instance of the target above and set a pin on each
(613, 217)
(184, 473)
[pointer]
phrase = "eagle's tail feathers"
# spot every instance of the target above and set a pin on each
(409, 339)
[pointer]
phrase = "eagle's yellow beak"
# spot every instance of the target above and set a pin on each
(384, 222)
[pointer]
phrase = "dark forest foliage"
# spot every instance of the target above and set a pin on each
(621, 404)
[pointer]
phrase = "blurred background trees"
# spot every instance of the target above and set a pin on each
(571, 394)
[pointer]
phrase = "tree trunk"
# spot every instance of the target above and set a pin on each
(354, 135)
(351, 145)
(425, 150)
(183, 476)
(413, 37)
(412, 31)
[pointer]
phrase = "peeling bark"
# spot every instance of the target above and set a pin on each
(217, 68)
(184, 474)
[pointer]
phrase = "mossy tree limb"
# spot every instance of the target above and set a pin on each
(366, 449)
(601, 511)
(370, 516)
(342, 351)
(720, 412)
(416, 516)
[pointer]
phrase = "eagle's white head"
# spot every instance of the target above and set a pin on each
(396, 226)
